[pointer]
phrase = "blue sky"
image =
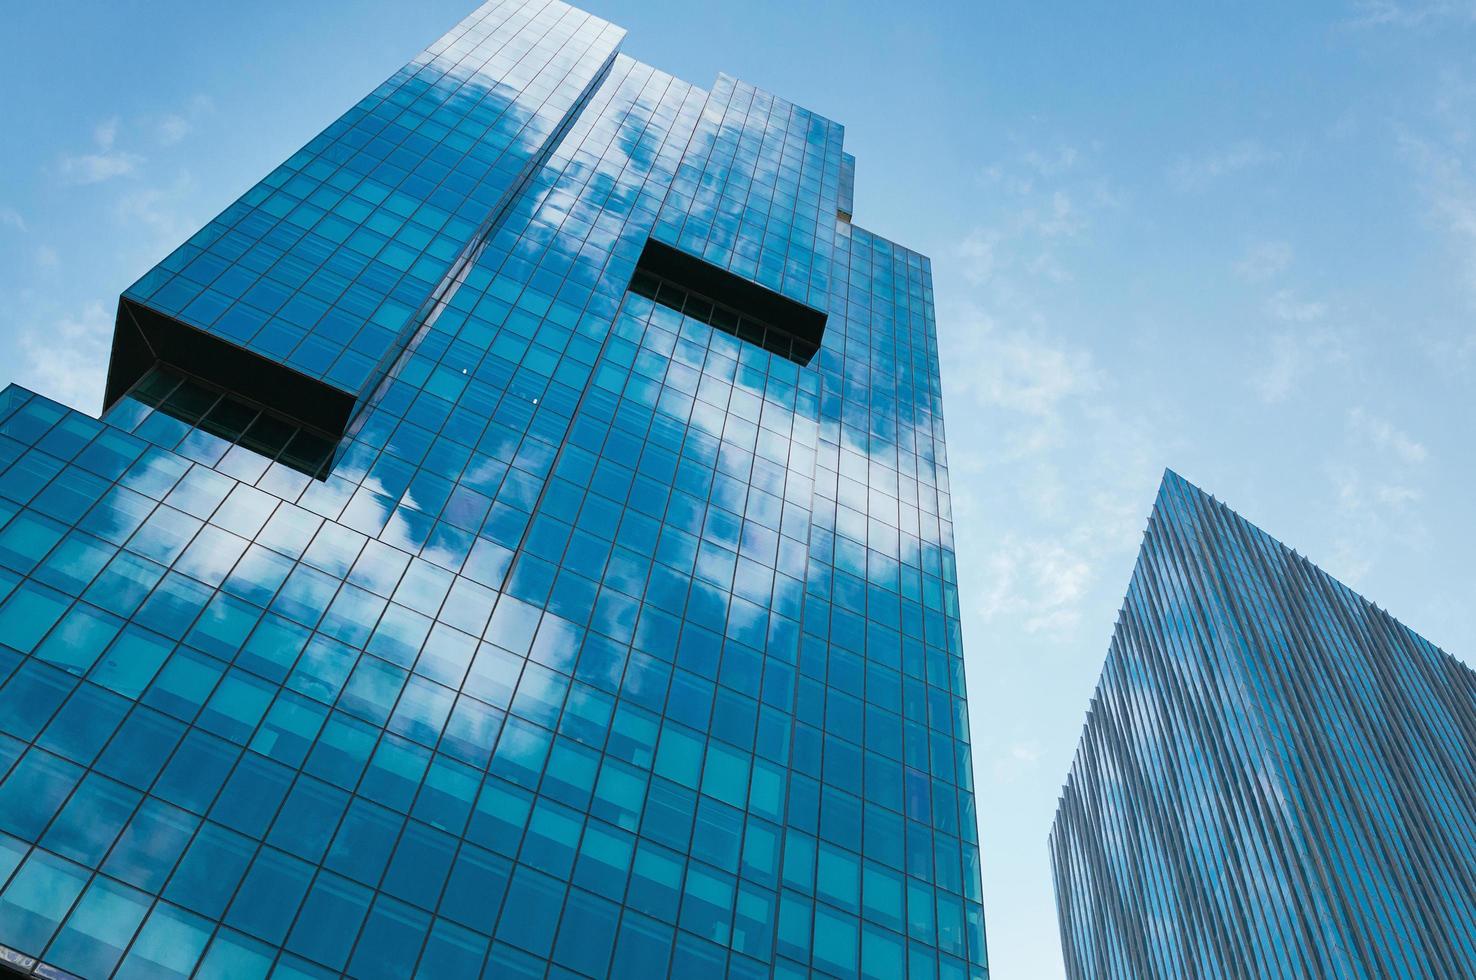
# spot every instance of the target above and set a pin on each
(1239, 241)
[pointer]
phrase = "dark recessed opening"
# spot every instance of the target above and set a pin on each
(231, 418)
(728, 302)
(144, 338)
(15, 964)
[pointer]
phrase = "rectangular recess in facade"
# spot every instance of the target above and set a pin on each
(729, 303)
(145, 338)
(615, 639)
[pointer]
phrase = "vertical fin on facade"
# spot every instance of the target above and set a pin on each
(1274, 777)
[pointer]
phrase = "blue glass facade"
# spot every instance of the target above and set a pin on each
(1275, 779)
(452, 589)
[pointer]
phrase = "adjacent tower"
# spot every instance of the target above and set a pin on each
(516, 544)
(1276, 778)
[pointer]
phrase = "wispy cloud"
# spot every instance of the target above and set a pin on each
(1300, 348)
(1015, 759)
(978, 251)
(1287, 365)
(1029, 374)
(1438, 142)
(1373, 512)
(1197, 172)
(1043, 201)
(105, 133)
(1264, 260)
(94, 168)
(155, 208)
(104, 163)
(175, 126)
(11, 218)
(66, 357)
(1448, 186)
(1024, 372)
(172, 129)
(1382, 434)
(1412, 13)
(1284, 305)
(1022, 394)
(1377, 481)
(1037, 583)
(1293, 358)
(1035, 226)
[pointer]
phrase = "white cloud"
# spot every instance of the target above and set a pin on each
(105, 133)
(46, 257)
(1031, 375)
(1026, 239)
(1285, 306)
(1450, 190)
(67, 358)
(977, 252)
(172, 129)
(1383, 435)
(11, 218)
(1060, 218)
(1051, 163)
(1377, 481)
(1276, 381)
(1293, 357)
(1019, 758)
(1037, 583)
(1040, 203)
(175, 126)
(1397, 496)
(94, 168)
(1264, 260)
(102, 165)
(1024, 398)
(1023, 371)
(1412, 13)
(154, 208)
(1027, 752)
(1195, 173)
(1298, 351)
(1026, 402)
(1009, 759)
(1372, 515)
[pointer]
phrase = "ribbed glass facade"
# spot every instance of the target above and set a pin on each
(1276, 778)
(516, 544)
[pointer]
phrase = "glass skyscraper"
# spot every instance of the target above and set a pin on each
(516, 544)
(1276, 779)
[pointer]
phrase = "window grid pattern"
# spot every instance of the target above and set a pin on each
(611, 644)
(757, 190)
(324, 264)
(1275, 775)
(722, 317)
(167, 407)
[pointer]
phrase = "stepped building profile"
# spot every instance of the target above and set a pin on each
(516, 543)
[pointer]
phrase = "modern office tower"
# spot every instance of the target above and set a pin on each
(516, 544)
(1276, 778)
